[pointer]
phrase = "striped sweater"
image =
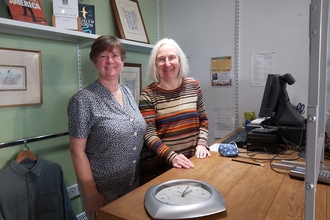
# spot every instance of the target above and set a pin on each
(176, 119)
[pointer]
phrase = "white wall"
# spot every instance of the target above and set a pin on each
(206, 29)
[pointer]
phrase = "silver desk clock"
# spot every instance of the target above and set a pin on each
(183, 199)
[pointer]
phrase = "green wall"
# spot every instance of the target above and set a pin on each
(59, 83)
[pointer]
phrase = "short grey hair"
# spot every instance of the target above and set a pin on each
(183, 61)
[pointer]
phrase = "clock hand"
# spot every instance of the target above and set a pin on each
(183, 193)
(186, 193)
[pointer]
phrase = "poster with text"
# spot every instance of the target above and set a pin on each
(221, 71)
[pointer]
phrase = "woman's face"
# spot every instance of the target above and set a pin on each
(109, 64)
(167, 62)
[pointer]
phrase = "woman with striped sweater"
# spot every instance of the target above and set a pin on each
(174, 110)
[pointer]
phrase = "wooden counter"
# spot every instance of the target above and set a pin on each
(251, 192)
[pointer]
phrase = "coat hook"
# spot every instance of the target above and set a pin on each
(25, 145)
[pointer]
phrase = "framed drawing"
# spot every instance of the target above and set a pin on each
(20, 77)
(131, 77)
(129, 20)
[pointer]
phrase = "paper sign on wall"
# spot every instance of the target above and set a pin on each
(220, 71)
(65, 14)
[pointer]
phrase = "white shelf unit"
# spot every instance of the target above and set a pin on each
(81, 39)
(48, 32)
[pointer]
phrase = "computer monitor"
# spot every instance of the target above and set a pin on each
(276, 106)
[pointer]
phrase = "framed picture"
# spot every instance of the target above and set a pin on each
(20, 77)
(129, 20)
(131, 77)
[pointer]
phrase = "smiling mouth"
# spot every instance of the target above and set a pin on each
(110, 67)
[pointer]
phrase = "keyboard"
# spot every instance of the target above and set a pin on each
(239, 138)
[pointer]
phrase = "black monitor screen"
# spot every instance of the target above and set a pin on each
(276, 103)
(271, 95)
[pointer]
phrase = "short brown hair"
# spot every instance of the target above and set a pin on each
(106, 42)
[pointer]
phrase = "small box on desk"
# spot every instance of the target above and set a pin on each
(263, 142)
(292, 135)
(275, 142)
(251, 126)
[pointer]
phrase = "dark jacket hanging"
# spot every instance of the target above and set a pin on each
(34, 190)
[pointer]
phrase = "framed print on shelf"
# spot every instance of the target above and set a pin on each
(20, 77)
(129, 20)
(131, 77)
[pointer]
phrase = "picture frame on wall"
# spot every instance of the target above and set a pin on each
(131, 78)
(20, 77)
(130, 21)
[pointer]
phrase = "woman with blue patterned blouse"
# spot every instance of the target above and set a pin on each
(106, 131)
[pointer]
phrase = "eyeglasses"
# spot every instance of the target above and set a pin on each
(114, 57)
(162, 60)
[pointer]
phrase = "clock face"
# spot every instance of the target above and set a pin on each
(183, 199)
(182, 194)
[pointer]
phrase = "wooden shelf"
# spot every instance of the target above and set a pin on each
(15, 27)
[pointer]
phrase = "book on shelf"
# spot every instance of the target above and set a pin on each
(26, 10)
(87, 18)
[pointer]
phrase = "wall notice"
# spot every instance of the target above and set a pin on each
(224, 121)
(262, 64)
(221, 71)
